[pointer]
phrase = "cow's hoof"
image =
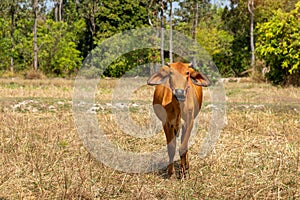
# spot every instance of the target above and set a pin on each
(171, 170)
(187, 166)
(184, 173)
(181, 172)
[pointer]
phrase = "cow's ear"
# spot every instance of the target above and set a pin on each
(159, 77)
(199, 79)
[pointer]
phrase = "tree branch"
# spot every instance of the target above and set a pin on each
(251, 3)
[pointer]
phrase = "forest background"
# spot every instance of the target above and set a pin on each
(258, 38)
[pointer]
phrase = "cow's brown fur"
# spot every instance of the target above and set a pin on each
(176, 114)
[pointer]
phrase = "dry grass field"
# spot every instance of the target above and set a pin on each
(42, 157)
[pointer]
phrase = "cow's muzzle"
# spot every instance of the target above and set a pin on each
(179, 94)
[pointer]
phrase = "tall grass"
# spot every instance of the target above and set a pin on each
(42, 157)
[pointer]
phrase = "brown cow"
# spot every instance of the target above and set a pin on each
(177, 101)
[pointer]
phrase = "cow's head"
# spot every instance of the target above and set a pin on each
(178, 77)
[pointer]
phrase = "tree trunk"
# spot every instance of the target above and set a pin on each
(195, 25)
(60, 10)
(149, 8)
(195, 21)
(12, 35)
(93, 25)
(153, 66)
(171, 33)
(157, 36)
(56, 7)
(251, 10)
(35, 46)
(162, 34)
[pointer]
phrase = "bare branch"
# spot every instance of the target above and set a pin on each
(251, 6)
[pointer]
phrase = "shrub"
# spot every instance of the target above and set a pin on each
(279, 45)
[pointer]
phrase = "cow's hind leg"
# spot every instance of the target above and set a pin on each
(171, 142)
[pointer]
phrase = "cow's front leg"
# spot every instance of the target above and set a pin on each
(184, 164)
(183, 150)
(171, 142)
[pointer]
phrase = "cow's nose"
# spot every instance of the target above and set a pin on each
(179, 94)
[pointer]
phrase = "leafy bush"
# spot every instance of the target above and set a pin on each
(58, 54)
(218, 44)
(279, 45)
(5, 44)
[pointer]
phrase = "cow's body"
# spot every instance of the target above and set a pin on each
(177, 101)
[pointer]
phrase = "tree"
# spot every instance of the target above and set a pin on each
(11, 10)
(4, 43)
(171, 31)
(217, 42)
(195, 25)
(35, 45)
(158, 8)
(195, 20)
(278, 44)
(162, 36)
(58, 10)
(55, 10)
(12, 32)
(116, 17)
(251, 11)
(89, 10)
(236, 21)
(58, 55)
(189, 14)
(151, 13)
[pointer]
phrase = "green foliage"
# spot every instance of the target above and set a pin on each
(223, 32)
(217, 43)
(22, 40)
(118, 67)
(118, 16)
(5, 44)
(58, 54)
(236, 21)
(24, 46)
(279, 45)
(132, 63)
